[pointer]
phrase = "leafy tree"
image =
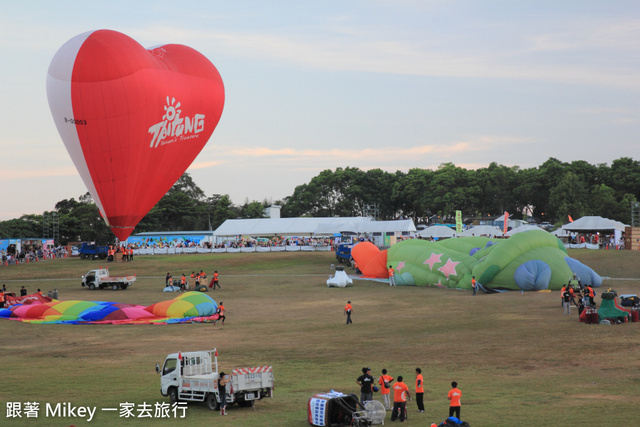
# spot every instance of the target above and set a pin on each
(624, 177)
(568, 197)
(223, 211)
(252, 210)
(412, 193)
(496, 189)
(453, 189)
(25, 226)
(602, 200)
(182, 208)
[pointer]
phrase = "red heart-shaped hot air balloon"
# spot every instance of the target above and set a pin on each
(132, 119)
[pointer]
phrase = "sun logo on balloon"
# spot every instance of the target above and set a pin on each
(171, 110)
(174, 127)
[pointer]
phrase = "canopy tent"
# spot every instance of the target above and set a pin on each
(523, 228)
(440, 231)
(594, 224)
(560, 232)
(597, 224)
(482, 230)
(310, 226)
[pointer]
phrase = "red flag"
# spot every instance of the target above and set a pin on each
(506, 222)
(570, 219)
(216, 353)
(180, 355)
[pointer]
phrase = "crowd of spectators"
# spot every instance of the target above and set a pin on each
(30, 253)
(604, 241)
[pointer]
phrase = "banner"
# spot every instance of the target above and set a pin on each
(506, 222)
(458, 222)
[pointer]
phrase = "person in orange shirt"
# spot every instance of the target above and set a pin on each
(347, 312)
(419, 390)
(220, 314)
(400, 396)
(214, 281)
(589, 294)
(385, 391)
(454, 397)
(392, 276)
(473, 284)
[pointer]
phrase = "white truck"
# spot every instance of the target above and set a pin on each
(100, 279)
(193, 376)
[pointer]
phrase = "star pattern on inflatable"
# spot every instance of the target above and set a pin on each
(449, 268)
(400, 265)
(432, 260)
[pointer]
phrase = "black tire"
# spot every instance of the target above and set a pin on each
(173, 395)
(124, 286)
(115, 287)
(92, 286)
(212, 402)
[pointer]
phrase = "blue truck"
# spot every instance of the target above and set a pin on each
(93, 251)
(343, 253)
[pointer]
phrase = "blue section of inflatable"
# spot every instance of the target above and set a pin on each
(585, 274)
(533, 275)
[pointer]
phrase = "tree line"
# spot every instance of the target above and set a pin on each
(550, 192)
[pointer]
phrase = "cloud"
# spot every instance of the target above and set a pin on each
(10, 173)
(529, 53)
(375, 157)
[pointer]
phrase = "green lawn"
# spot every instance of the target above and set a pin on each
(516, 358)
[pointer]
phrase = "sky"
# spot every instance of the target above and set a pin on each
(315, 85)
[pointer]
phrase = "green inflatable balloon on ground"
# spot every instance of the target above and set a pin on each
(532, 261)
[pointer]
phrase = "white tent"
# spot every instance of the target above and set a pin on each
(594, 223)
(310, 226)
(524, 228)
(560, 232)
(482, 230)
(440, 231)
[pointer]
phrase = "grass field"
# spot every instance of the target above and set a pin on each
(516, 358)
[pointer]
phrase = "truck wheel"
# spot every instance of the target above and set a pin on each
(173, 395)
(212, 402)
(124, 286)
(92, 286)
(114, 286)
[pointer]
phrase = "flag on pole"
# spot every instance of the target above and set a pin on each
(506, 222)
(458, 222)
(570, 219)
